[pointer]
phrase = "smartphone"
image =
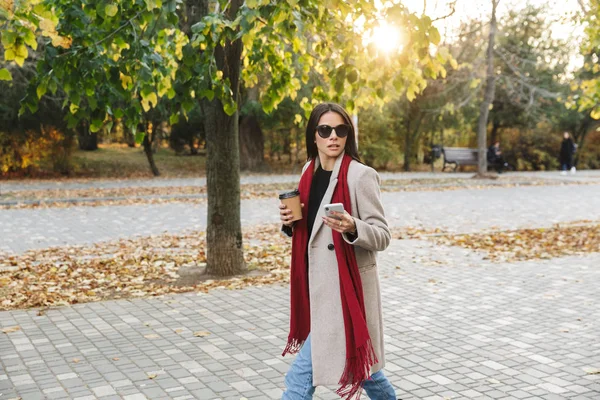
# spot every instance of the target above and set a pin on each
(338, 207)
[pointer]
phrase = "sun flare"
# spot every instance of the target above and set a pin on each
(386, 37)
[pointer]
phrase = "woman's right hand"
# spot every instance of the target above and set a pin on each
(286, 214)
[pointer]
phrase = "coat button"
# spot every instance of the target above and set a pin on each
(330, 246)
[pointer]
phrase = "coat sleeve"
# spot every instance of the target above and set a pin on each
(372, 231)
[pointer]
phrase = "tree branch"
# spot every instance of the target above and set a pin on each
(452, 6)
(523, 79)
(129, 21)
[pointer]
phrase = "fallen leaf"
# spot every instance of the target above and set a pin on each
(76, 360)
(151, 336)
(201, 333)
(592, 371)
(11, 329)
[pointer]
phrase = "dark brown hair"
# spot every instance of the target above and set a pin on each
(311, 128)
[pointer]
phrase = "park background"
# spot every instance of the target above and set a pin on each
(544, 65)
(143, 144)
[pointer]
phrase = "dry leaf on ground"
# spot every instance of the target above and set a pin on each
(527, 244)
(95, 197)
(135, 267)
(152, 336)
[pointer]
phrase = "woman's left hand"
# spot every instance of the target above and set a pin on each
(341, 222)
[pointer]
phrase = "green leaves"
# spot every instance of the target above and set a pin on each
(139, 137)
(411, 92)
(96, 125)
(42, 88)
(150, 67)
(434, 35)
(111, 10)
(230, 107)
(152, 4)
(5, 75)
(9, 38)
(30, 39)
(17, 52)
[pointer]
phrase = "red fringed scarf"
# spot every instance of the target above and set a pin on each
(360, 355)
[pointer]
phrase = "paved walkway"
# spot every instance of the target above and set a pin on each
(459, 329)
(457, 326)
(12, 186)
(457, 210)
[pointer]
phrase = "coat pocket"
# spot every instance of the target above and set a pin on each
(366, 267)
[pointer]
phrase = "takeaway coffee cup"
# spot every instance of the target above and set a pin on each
(292, 201)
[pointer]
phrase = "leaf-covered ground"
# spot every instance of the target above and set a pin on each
(528, 244)
(131, 268)
(148, 266)
(56, 198)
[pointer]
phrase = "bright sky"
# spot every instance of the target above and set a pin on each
(560, 11)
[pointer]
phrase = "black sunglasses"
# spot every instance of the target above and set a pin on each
(341, 130)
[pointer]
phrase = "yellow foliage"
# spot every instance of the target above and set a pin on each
(26, 151)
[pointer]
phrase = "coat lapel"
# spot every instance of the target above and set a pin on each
(328, 194)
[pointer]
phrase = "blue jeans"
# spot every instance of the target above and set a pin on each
(299, 380)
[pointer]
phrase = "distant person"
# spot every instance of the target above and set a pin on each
(567, 149)
(495, 157)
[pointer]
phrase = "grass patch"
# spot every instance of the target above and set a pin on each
(123, 161)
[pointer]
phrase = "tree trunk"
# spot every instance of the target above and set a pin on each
(147, 143)
(297, 139)
(157, 135)
(224, 231)
(192, 144)
(252, 144)
(579, 137)
(129, 136)
(411, 135)
(490, 87)
(407, 148)
(87, 140)
(287, 145)
(407, 141)
(494, 134)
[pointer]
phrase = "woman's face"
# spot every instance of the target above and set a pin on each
(333, 145)
(566, 135)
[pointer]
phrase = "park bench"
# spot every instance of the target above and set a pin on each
(459, 156)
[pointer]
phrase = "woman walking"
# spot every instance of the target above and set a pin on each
(336, 323)
(567, 149)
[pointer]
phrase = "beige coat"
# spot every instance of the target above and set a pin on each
(327, 321)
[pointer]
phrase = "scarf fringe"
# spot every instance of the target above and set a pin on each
(293, 346)
(356, 371)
